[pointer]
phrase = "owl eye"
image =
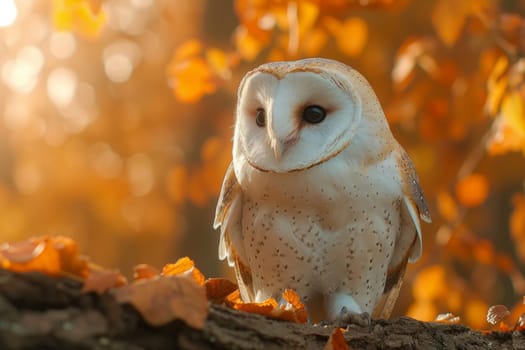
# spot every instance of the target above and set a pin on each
(314, 114)
(260, 117)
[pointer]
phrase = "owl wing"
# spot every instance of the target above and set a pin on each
(228, 218)
(408, 246)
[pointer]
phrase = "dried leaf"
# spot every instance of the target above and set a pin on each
(448, 18)
(144, 271)
(317, 39)
(217, 289)
(103, 280)
(520, 323)
(293, 310)
(247, 45)
(496, 85)
(497, 313)
(219, 63)
(513, 110)
(192, 79)
(22, 252)
(447, 318)
(472, 190)
(351, 35)
(337, 341)
(264, 308)
(164, 299)
(187, 50)
(233, 298)
(84, 17)
(184, 267)
(50, 255)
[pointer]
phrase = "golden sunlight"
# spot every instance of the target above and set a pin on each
(8, 13)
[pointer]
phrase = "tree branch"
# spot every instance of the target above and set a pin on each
(42, 312)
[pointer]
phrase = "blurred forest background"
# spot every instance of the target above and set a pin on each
(116, 123)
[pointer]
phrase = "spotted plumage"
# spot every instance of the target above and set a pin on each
(320, 197)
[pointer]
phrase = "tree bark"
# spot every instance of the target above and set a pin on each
(42, 312)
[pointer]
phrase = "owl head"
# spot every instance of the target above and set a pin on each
(295, 115)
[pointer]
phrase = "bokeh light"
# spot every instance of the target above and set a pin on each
(8, 13)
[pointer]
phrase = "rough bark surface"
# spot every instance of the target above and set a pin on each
(42, 312)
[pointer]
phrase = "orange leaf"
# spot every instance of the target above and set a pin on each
(496, 314)
(101, 281)
(144, 271)
(161, 300)
(520, 323)
(187, 50)
(513, 110)
(233, 298)
(192, 79)
(184, 266)
(317, 39)
(51, 255)
(505, 139)
(297, 311)
(447, 318)
(219, 63)
(351, 35)
(472, 190)
(336, 341)
(496, 85)
(448, 18)
(217, 289)
(22, 252)
(247, 44)
(265, 308)
(84, 17)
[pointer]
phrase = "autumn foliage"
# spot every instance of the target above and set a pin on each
(116, 126)
(179, 292)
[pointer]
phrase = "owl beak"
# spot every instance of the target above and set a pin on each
(280, 147)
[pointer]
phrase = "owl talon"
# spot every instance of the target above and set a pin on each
(347, 317)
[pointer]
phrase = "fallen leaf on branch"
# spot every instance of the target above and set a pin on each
(293, 310)
(497, 313)
(337, 341)
(49, 255)
(217, 289)
(184, 267)
(520, 323)
(447, 318)
(101, 281)
(164, 299)
(144, 271)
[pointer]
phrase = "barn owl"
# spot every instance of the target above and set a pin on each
(319, 198)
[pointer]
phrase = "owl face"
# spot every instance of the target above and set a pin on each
(292, 116)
